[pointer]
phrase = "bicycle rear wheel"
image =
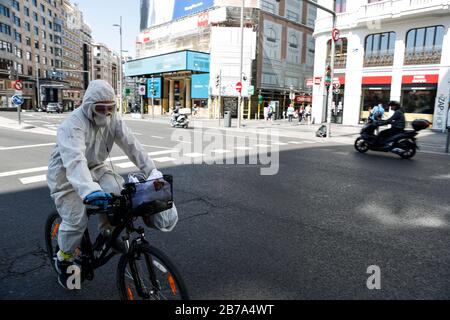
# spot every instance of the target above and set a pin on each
(147, 274)
(51, 236)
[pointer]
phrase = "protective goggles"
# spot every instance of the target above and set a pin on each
(107, 107)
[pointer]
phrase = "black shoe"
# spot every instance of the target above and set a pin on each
(61, 269)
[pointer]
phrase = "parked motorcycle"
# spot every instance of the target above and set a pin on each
(403, 144)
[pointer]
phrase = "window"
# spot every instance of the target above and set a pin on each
(16, 21)
(26, 10)
(4, 11)
(35, 16)
(341, 53)
(268, 78)
(19, 53)
(17, 36)
(16, 5)
(27, 26)
(28, 56)
(379, 49)
(424, 45)
(43, 21)
(36, 44)
(292, 16)
(267, 6)
(4, 28)
(36, 31)
(6, 46)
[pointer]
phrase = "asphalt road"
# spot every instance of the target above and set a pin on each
(309, 232)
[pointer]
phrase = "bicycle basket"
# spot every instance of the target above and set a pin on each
(152, 196)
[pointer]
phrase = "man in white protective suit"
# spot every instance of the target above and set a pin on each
(77, 169)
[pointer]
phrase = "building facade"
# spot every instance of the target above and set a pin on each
(278, 52)
(105, 65)
(31, 31)
(388, 50)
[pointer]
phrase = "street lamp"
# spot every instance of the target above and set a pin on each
(332, 54)
(120, 66)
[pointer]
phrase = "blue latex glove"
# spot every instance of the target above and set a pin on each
(99, 199)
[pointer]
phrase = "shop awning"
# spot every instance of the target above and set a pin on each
(172, 62)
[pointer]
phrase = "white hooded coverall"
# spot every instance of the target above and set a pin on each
(77, 167)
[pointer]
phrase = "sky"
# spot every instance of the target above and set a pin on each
(100, 15)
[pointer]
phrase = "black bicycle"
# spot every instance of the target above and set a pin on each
(143, 272)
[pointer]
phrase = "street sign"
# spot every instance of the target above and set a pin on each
(317, 81)
(336, 85)
(335, 34)
(18, 85)
(251, 90)
(17, 100)
(337, 91)
(142, 90)
(239, 87)
(310, 82)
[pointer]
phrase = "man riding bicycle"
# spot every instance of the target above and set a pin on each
(77, 171)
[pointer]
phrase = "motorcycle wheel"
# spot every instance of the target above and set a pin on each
(361, 145)
(409, 147)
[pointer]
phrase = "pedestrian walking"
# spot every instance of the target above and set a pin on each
(290, 113)
(308, 112)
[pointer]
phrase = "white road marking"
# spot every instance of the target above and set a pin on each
(262, 145)
(35, 179)
(155, 147)
(294, 142)
(24, 171)
(137, 134)
(194, 155)
(279, 144)
(243, 148)
(221, 151)
(157, 137)
(125, 165)
(164, 159)
(157, 153)
(27, 146)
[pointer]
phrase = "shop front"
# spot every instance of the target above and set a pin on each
(419, 96)
(375, 90)
(178, 78)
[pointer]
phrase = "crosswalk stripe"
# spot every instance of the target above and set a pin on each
(194, 155)
(164, 159)
(24, 171)
(243, 148)
(28, 146)
(125, 165)
(280, 144)
(221, 151)
(294, 142)
(35, 179)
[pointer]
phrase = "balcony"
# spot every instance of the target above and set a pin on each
(372, 14)
(427, 56)
(379, 59)
(340, 62)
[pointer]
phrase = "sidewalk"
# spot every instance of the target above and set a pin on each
(14, 125)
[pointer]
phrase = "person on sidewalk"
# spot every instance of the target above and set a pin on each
(290, 112)
(308, 111)
(266, 112)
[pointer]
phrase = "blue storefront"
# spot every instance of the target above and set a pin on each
(175, 78)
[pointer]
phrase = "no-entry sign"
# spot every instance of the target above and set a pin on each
(239, 87)
(18, 85)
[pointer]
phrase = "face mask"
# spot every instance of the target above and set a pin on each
(101, 120)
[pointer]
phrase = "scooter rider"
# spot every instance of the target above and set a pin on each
(397, 122)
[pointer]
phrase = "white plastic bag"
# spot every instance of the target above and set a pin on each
(165, 220)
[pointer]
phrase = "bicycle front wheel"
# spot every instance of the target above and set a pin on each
(147, 274)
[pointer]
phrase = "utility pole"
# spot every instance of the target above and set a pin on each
(241, 63)
(333, 53)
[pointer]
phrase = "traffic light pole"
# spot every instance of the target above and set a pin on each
(333, 53)
(241, 64)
